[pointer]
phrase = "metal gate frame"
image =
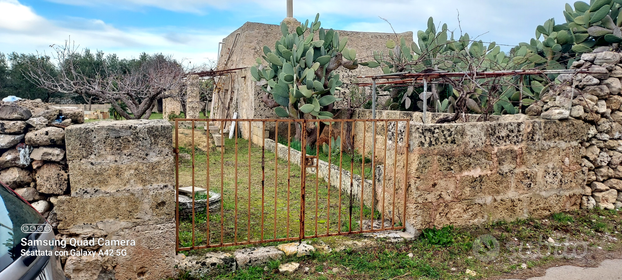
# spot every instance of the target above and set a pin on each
(306, 161)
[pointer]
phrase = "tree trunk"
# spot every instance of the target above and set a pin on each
(121, 112)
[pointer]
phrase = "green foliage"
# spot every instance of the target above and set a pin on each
(113, 112)
(172, 117)
(437, 49)
(587, 26)
(335, 147)
(442, 237)
(298, 73)
(562, 218)
(14, 82)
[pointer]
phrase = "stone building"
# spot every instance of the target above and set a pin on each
(237, 92)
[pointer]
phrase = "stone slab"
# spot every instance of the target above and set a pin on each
(256, 256)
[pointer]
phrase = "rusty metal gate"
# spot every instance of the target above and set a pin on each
(248, 181)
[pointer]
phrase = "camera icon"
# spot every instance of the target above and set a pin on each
(35, 228)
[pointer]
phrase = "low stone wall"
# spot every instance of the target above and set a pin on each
(344, 180)
(122, 199)
(476, 172)
(32, 143)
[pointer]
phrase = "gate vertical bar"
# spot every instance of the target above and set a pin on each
(317, 172)
(193, 183)
(303, 176)
(176, 185)
(395, 174)
(362, 193)
(384, 174)
(235, 222)
(407, 151)
(330, 151)
(276, 169)
(207, 152)
(222, 184)
(289, 135)
(250, 140)
(263, 172)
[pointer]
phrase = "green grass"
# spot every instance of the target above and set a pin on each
(269, 182)
(432, 260)
(350, 161)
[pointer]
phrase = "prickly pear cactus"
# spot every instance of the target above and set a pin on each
(298, 74)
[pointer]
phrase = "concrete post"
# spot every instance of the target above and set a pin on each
(290, 8)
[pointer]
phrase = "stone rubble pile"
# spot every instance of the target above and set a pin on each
(32, 151)
(595, 98)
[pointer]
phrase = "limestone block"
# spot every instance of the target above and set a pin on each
(534, 109)
(599, 72)
(47, 154)
(155, 205)
(606, 200)
(592, 153)
(193, 101)
(617, 72)
(51, 179)
(602, 160)
(619, 196)
(153, 255)
(599, 187)
(38, 123)
(556, 114)
(12, 127)
(289, 267)
(117, 155)
(12, 112)
(588, 202)
(15, 177)
(50, 114)
(10, 158)
(29, 194)
(616, 159)
(83, 267)
(614, 184)
(584, 80)
(588, 57)
(170, 106)
(41, 206)
(601, 106)
(256, 256)
(604, 126)
(604, 173)
(204, 265)
(607, 57)
(614, 85)
(614, 102)
(8, 141)
(577, 112)
(299, 250)
(46, 137)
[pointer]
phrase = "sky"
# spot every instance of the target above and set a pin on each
(190, 30)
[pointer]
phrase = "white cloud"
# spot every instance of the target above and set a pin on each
(24, 31)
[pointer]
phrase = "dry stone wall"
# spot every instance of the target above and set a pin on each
(32, 147)
(594, 98)
(475, 172)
